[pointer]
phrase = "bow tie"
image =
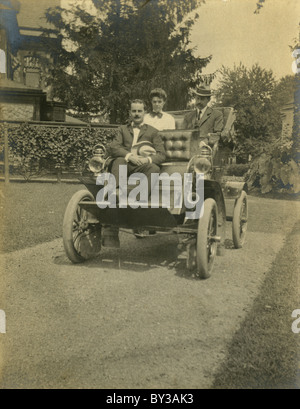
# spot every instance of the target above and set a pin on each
(135, 126)
(158, 114)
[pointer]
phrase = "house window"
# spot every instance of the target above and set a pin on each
(32, 71)
(31, 62)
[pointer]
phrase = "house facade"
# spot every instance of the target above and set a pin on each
(23, 94)
(287, 117)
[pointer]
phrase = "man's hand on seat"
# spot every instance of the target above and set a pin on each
(144, 160)
(213, 138)
(137, 160)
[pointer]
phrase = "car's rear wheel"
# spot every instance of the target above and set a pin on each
(82, 239)
(240, 220)
(207, 239)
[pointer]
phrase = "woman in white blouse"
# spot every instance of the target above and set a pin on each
(157, 117)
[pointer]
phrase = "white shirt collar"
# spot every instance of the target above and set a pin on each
(202, 111)
(137, 126)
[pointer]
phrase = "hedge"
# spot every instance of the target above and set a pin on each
(35, 149)
(43, 148)
(237, 169)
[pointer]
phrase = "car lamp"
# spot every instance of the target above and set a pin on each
(202, 165)
(202, 162)
(205, 151)
(96, 163)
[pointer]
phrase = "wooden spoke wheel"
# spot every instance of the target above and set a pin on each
(82, 240)
(207, 239)
(240, 220)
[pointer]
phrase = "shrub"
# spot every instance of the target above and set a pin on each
(270, 174)
(35, 148)
(276, 169)
(275, 165)
(239, 169)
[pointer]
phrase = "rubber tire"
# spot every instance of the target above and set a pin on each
(238, 239)
(204, 265)
(70, 212)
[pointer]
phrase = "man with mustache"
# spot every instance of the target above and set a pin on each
(204, 118)
(125, 150)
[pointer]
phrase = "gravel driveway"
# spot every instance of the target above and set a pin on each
(143, 324)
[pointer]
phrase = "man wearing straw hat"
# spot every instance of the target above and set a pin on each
(205, 118)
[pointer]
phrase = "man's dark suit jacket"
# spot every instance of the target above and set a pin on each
(122, 144)
(211, 121)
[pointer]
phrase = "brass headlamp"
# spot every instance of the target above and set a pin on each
(97, 162)
(202, 162)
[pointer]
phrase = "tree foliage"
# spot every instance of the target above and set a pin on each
(258, 100)
(250, 91)
(121, 51)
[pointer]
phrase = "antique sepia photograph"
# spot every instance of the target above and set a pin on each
(149, 197)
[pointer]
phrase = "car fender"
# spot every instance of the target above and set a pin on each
(233, 189)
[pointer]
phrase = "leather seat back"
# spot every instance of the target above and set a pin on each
(179, 143)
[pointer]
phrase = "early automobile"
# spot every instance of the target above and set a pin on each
(201, 238)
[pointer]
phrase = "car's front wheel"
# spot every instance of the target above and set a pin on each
(82, 239)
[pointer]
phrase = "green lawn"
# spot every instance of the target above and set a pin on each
(264, 353)
(32, 213)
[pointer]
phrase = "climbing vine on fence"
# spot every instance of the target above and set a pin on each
(33, 148)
